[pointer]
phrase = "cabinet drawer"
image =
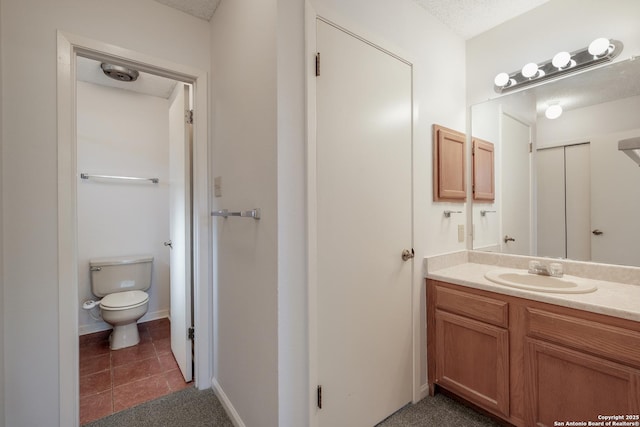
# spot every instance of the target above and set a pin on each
(594, 337)
(477, 307)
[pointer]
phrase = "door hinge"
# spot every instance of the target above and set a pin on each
(188, 116)
(317, 64)
(191, 333)
(531, 147)
(319, 397)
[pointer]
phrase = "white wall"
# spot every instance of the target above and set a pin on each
(293, 366)
(539, 34)
(122, 133)
(29, 170)
(2, 315)
(244, 151)
(580, 125)
(485, 123)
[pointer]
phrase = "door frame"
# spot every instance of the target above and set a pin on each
(418, 305)
(68, 47)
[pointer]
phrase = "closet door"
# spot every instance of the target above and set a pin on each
(564, 202)
(551, 203)
(578, 201)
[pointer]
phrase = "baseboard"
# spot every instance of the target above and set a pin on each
(424, 391)
(102, 326)
(226, 404)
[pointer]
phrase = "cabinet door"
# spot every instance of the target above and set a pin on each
(472, 360)
(449, 182)
(565, 385)
(483, 171)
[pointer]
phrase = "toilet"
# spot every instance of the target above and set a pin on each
(121, 282)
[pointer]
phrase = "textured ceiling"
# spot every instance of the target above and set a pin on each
(468, 18)
(202, 9)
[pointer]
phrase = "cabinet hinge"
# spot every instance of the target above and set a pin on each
(191, 333)
(188, 117)
(319, 397)
(317, 64)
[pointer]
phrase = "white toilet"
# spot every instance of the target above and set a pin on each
(121, 282)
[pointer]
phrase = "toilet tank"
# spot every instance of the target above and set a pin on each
(119, 274)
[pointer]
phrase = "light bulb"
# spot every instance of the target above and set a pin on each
(599, 47)
(553, 112)
(561, 60)
(501, 80)
(529, 70)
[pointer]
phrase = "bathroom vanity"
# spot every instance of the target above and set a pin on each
(534, 358)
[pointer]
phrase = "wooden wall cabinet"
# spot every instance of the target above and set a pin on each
(531, 363)
(449, 179)
(483, 171)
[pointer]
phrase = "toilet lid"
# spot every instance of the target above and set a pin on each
(126, 299)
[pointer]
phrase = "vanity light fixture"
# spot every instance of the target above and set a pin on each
(601, 50)
(599, 47)
(563, 60)
(553, 111)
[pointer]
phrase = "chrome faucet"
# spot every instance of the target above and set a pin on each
(554, 269)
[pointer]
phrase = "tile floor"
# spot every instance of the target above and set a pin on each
(113, 380)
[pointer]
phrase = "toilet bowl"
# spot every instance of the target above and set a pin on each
(122, 310)
(122, 282)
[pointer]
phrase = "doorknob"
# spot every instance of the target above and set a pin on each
(597, 232)
(168, 243)
(408, 254)
(508, 238)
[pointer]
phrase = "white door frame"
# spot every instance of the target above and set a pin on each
(68, 46)
(418, 297)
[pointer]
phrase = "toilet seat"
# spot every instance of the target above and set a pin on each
(124, 300)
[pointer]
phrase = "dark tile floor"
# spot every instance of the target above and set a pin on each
(113, 380)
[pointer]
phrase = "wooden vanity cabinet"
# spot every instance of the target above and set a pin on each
(530, 363)
(472, 360)
(563, 384)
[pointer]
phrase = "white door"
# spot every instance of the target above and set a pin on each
(578, 200)
(180, 229)
(516, 186)
(364, 221)
(564, 202)
(552, 232)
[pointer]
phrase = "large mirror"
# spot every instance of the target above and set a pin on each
(563, 187)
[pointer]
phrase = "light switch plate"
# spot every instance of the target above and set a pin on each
(461, 233)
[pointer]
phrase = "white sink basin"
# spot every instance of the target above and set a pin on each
(534, 282)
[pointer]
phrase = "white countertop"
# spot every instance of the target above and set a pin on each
(611, 298)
